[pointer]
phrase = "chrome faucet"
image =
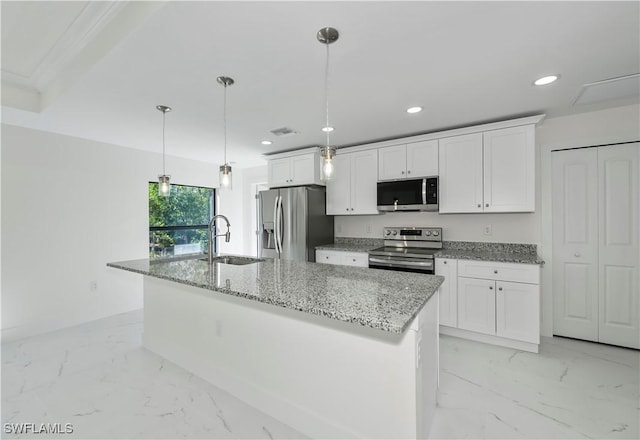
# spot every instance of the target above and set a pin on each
(212, 234)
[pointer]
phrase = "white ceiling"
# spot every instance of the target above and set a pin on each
(464, 62)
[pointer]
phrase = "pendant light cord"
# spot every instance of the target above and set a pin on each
(225, 122)
(326, 94)
(164, 114)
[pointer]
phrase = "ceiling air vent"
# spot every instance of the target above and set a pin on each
(283, 131)
(608, 89)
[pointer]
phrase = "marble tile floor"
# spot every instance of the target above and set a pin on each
(97, 377)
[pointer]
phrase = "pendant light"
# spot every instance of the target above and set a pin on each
(164, 180)
(326, 36)
(225, 170)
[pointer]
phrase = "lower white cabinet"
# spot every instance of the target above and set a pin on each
(497, 303)
(448, 297)
(477, 305)
(344, 258)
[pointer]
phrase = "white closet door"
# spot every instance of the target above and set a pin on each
(575, 243)
(618, 245)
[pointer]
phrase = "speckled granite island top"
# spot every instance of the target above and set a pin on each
(379, 299)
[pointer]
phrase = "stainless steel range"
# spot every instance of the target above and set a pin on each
(408, 249)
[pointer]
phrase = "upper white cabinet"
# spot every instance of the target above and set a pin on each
(493, 171)
(406, 161)
(509, 169)
(460, 183)
(294, 170)
(353, 189)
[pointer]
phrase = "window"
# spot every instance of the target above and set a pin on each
(178, 223)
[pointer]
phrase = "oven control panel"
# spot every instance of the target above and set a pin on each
(412, 233)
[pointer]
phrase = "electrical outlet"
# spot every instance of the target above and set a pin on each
(369, 228)
(339, 229)
(488, 230)
(93, 285)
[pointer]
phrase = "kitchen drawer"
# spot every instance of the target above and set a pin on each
(360, 259)
(519, 273)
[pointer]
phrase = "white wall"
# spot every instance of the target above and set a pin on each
(69, 206)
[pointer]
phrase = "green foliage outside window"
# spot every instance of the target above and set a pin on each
(179, 220)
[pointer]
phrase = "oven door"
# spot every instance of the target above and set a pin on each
(403, 264)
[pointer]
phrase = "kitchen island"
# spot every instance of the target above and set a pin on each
(333, 351)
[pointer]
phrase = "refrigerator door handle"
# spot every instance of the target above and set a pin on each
(281, 225)
(275, 225)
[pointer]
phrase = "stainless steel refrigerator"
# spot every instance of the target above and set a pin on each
(293, 222)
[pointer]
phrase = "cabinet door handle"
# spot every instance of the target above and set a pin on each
(495, 271)
(490, 287)
(354, 260)
(347, 209)
(352, 209)
(326, 257)
(403, 172)
(409, 172)
(487, 205)
(444, 262)
(479, 205)
(500, 289)
(577, 255)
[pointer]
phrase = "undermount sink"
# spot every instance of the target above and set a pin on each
(237, 261)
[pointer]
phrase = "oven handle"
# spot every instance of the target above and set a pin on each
(402, 263)
(424, 191)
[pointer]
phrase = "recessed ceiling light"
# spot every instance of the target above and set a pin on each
(414, 109)
(266, 142)
(325, 129)
(546, 80)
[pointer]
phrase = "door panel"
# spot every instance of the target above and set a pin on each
(392, 162)
(619, 252)
(575, 243)
(338, 188)
(422, 159)
(477, 305)
(363, 182)
(509, 170)
(460, 168)
(518, 311)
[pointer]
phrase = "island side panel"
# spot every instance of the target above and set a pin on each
(326, 378)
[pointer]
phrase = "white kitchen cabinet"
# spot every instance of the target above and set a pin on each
(353, 189)
(518, 311)
(509, 169)
(497, 303)
(294, 170)
(344, 258)
(493, 171)
(460, 182)
(448, 268)
(477, 305)
(408, 161)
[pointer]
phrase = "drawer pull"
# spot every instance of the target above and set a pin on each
(444, 262)
(490, 287)
(354, 259)
(500, 289)
(495, 271)
(479, 205)
(577, 255)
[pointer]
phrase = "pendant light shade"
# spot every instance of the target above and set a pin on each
(226, 181)
(326, 36)
(164, 180)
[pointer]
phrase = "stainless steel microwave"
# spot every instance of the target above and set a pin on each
(408, 195)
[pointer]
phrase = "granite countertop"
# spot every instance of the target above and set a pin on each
(490, 255)
(460, 250)
(379, 299)
(348, 244)
(347, 247)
